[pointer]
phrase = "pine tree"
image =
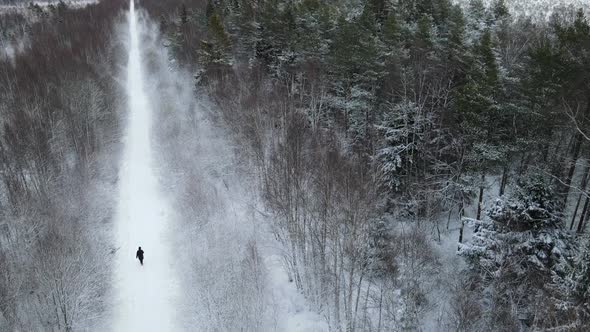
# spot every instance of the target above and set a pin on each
(457, 53)
(477, 15)
(489, 67)
(215, 54)
(243, 27)
(483, 124)
(424, 35)
(580, 285)
(276, 35)
(209, 9)
(543, 76)
(183, 14)
(393, 54)
(356, 66)
(500, 10)
(380, 9)
(522, 244)
(404, 130)
(441, 12)
(313, 26)
(392, 32)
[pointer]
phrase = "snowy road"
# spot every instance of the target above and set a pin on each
(181, 189)
(144, 294)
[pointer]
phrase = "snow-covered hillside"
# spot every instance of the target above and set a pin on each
(298, 166)
(536, 8)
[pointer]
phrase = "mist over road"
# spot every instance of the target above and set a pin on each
(144, 300)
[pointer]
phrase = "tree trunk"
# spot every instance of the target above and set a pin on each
(523, 164)
(380, 309)
(583, 216)
(572, 168)
(558, 161)
(461, 211)
(545, 152)
(575, 153)
(480, 201)
(449, 217)
(358, 297)
(575, 212)
(337, 288)
(504, 180)
(583, 188)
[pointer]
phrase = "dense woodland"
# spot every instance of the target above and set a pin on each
(381, 129)
(424, 164)
(58, 143)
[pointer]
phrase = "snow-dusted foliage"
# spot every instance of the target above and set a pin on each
(517, 253)
(421, 109)
(319, 158)
(537, 9)
(581, 275)
(57, 166)
(405, 129)
(574, 294)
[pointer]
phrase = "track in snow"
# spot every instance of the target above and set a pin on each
(144, 295)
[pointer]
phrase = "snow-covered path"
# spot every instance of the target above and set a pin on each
(144, 295)
(210, 261)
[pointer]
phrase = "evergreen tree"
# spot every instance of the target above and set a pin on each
(276, 33)
(215, 54)
(380, 9)
(523, 244)
(543, 76)
(423, 38)
(356, 67)
(500, 10)
(405, 138)
(484, 124)
(488, 65)
(394, 55)
(457, 54)
(183, 14)
(477, 16)
(209, 9)
(313, 28)
(243, 27)
(476, 100)
(441, 13)
(580, 282)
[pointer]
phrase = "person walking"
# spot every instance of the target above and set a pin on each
(139, 255)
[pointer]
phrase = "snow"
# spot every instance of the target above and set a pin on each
(539, 9)
(181, 188)
(145, 294)
(69, 3)
(8, 51)
(292, 312)
(23, 7)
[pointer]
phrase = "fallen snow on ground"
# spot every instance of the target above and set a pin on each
(145, 294)
(188, 200)
(294, 316)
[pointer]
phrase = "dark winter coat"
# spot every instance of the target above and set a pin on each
(139, 254)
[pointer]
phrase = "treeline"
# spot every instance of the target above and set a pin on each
(58, 111)
(378, 125)
(30, 3)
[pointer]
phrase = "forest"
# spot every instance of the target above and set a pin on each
(382, 128)
(423, 164)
